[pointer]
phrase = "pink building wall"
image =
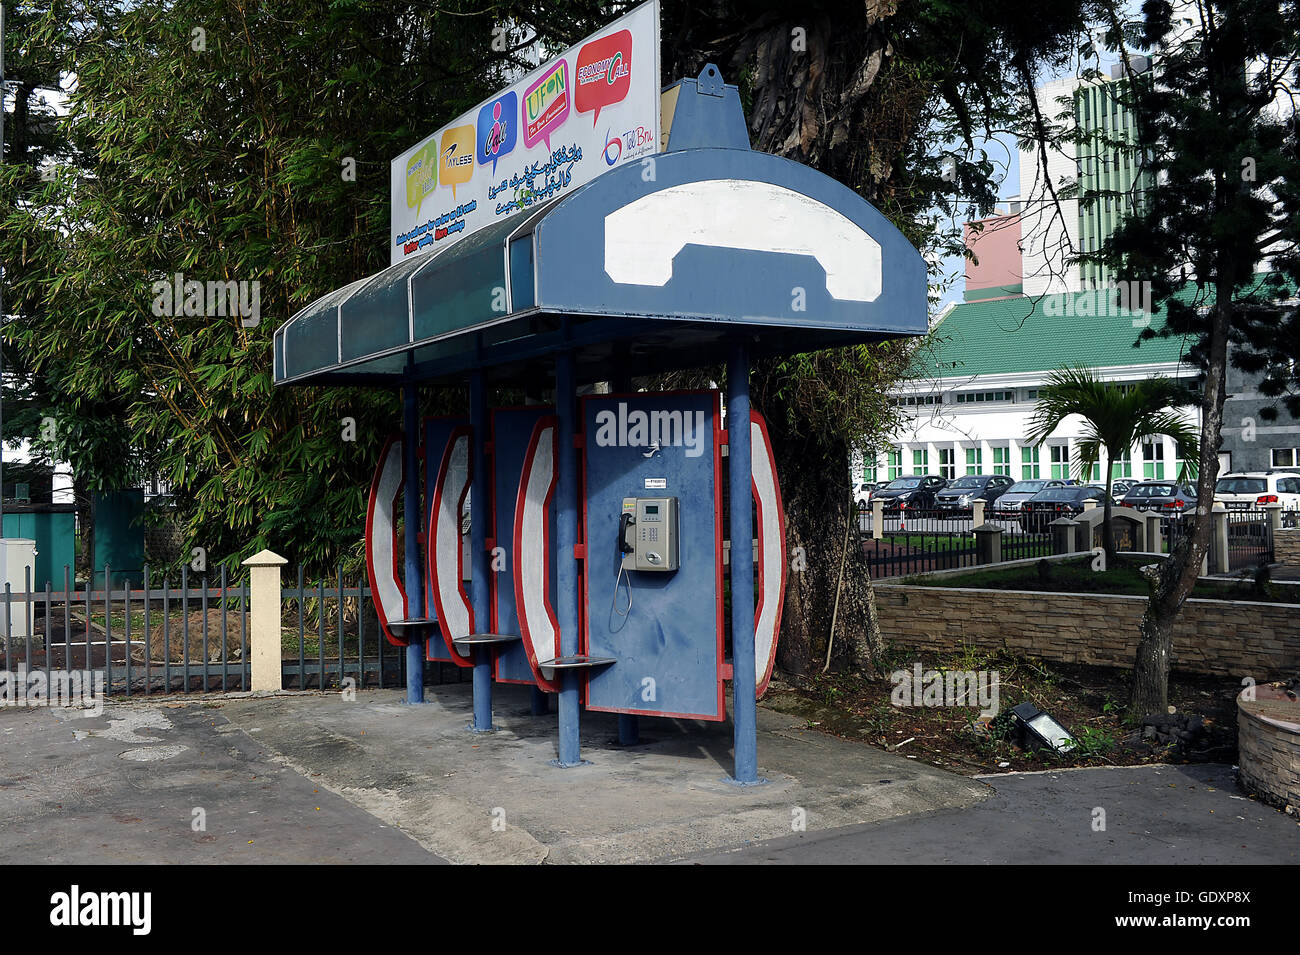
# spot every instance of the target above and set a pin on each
(997, 248)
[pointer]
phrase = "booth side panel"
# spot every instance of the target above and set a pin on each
(512, 428)
(437, 431)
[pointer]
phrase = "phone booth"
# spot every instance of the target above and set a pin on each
(622, 550)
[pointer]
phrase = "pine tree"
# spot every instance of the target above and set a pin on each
(1219, 134)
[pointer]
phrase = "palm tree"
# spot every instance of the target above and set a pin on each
(1114, 419)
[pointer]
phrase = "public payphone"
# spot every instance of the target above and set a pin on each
(648, 529)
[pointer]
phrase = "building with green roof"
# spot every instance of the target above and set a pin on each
(978, 379)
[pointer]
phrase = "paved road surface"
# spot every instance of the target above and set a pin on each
(1153, 815)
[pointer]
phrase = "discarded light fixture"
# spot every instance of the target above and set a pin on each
(1039, 726)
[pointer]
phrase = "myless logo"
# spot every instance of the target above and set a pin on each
(421, 175)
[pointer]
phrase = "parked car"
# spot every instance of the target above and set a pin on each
(1053, 502)
(1246, 489)
(1008, 505)
(914, 491)
(1119, 487)
(962, 493)
(1167, 497)
(864, 491)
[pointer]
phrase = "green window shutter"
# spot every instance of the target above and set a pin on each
(1029, 463)
(1002, 461)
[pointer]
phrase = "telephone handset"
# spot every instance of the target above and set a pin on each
(625, 522)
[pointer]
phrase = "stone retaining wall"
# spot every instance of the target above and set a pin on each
(1216, 637)
(1268, 749)
(1286, 546)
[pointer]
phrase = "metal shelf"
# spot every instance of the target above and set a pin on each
(471, 639)
(577, 661)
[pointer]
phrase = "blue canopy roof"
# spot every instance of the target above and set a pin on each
(656, 265)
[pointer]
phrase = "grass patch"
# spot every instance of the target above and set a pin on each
(1123, 577)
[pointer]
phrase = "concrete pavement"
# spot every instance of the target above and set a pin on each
(400, 783)
(317, 778)
(132, 787)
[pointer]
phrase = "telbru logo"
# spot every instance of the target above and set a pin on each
(615, 144)
(604, 73)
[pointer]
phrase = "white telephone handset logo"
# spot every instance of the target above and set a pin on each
(643, 237)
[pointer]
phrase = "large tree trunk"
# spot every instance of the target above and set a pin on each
(813, 105)
(1178, 574)
(815, 485)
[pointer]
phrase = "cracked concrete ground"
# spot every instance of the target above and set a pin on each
(169, 784)
(313, 777)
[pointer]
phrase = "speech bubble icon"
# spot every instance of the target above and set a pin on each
(546, 105)
(498, 129)
(456, 156)
(604, 73)
(421, 175)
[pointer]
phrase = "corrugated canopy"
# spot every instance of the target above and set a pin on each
(654, 266)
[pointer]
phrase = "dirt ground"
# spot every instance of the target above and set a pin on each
(1088, 700)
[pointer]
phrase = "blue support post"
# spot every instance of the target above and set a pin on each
(566, 564)
(414, 575)
(740, 476)
(629, 729)
(480, 599)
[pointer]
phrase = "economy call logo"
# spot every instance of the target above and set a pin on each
(546, 105)
(497, 129)
(604, 73)
(456, 156)
(421, 175)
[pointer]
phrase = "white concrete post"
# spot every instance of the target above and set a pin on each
(1154, 543)
(1219, 537)
(1274, 517)
(976, 513)
(1089, 505)
(264, 619)
(877, 519)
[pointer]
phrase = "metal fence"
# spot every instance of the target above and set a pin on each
(915, 541)
(933, 520)
(153, 637)
(1250, 540)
